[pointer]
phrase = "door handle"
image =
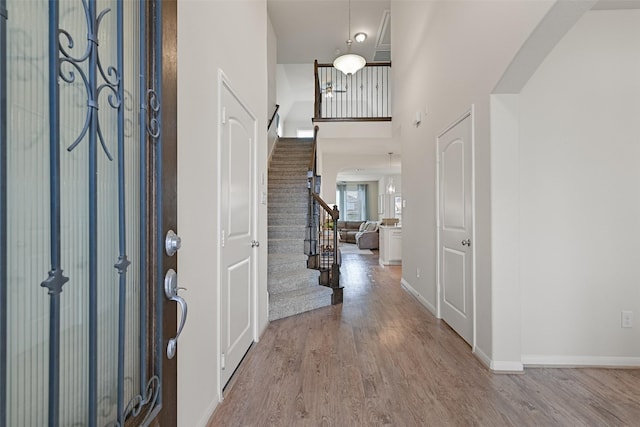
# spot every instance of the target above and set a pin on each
(466, 242)
(255, 243)
(171, 291)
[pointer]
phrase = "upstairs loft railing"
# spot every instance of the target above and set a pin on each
(321, 240)
(363, 96)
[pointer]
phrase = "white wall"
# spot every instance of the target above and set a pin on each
(295, 94)
(446, 57)
(579, 196)
(272, 55)
(209, 40)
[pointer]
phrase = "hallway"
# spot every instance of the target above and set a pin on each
(382, 359)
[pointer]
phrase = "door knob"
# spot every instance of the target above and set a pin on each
(172, 243)
(171, 292)
(466, 242)
(255, 243)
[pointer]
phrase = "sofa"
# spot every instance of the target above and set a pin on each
(362, 233)
(348, 230)
(368, 236)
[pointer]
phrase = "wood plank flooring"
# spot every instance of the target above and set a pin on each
(382, 359)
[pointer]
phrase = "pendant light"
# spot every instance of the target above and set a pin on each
(391, 188)
(349, 63)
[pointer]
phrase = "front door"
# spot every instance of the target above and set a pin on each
(456, 228)
(87, 178)
(237, 218)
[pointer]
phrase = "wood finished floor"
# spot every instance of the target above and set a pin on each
(382, 359)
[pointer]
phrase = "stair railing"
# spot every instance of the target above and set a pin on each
(272, 131)
(321, 241)
(363, 96)
(273, 117)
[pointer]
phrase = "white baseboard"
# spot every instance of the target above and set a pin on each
(419, 297)
(506, 366)
(204, 421)
(535, 360)
(482, 357)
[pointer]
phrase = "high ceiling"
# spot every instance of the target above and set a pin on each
(316, 29)
(307, 30)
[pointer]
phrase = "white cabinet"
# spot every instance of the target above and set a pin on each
(390, 246)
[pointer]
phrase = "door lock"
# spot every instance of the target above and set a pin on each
(466, 242)
(172, 243)
(255, 243)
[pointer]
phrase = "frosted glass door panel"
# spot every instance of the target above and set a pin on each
(27, 213)
(75, 257)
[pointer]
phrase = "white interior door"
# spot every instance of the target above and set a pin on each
(237, 229)
(456, 228)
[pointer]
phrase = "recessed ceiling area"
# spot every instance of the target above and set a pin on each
(318, 29)
(616, 4)
(309, 30)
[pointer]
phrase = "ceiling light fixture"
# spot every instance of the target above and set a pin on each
(360, 37)
(349, 63)
(391, 188)
(329, 92)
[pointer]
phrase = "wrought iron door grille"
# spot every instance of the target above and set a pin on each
(74, 165)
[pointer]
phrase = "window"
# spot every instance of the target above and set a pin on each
(352, 201)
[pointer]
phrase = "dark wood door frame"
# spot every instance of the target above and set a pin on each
(168, 415)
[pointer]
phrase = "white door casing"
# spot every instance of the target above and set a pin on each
(237, 230)
(456, 272)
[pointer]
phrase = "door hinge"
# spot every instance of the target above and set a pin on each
(222, 362)
(224, 115)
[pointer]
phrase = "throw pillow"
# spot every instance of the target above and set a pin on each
(372, 226)
(363, 226)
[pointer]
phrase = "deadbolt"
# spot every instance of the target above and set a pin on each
(172, 243)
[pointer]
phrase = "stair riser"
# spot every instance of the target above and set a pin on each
(293, 282)
(286, 233)
(278, 288)
(298, 193)
(288, 174)
(279, 260)
(299, 158)
(299, 221)
(288, 181)
(297, 305)
(292, 268)
(287, 206)
(298, 190)
(286, 246)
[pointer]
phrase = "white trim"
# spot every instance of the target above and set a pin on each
(531, 360)
(437, 205)
(419, 297)
(221, 77)
(224, 82)
(382, 29)
(471, 114)
(506, 366)
(473, 222)
(482, 357)
(208, 414)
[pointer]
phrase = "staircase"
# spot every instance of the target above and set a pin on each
(293, 288)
